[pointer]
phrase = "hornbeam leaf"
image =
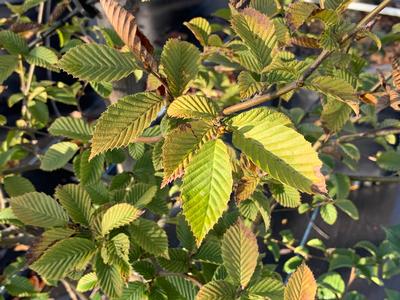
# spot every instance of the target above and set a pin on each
(207, 185)
(285, 195)
(124, 121)
(239, 253)
(335, 114)
(184, 287)
(94, 62)
(180, 61)
(267, 7)
(38, 209)
(17, 185)
(76, 202)
(248, 85)
(179, 147)
(201, 29)
(125, 25)
(280, 151)
(66, 255)
(72, 128)
(13, 43)
(58, 155)
(151, 237)
(334, 87)
(193, 107)
(301, 285)
(42, 57)
(257, 32)
(270, 288)
(88, 172)
(8, 63)
(217, 290)
(134, 291)
(339, 5)
(298, 13)
(47, 239)
(118, 215)
(109, 278)
(87, 282)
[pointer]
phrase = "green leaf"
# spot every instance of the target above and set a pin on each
(66, 255)
(207, 185)
(267, 7)
(180, 62)
(339, 5)
(124, 121)
(201, 29)
(335, 114)
(58, 155)
(48, 239)
(257, 32)
(38, 209)
(301, 285)
(333, 87)
(118, 215)
(248, 85)
(183, 286)
(193, 107)
(8, 63)
(217, 290)
(178, 261)
(76, 202)
(109, 278)
(13, 43)
(239, 253)
(87, 282)
(136, 150)
(71, 128)
(348, 208)
(279, 150)
(104, 89)
(179, 147)
(94, 62)
(116, 252)
(89, 172)
(134, 291)
(285, 195)
(268, 288)
(331, 286)
(42, 57)
(7, 216)
(17, 185)
(298, 13)
(329, 213)
(141, 194)
(151, 237)
(389, 160)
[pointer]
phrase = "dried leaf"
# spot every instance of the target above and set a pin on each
(125, 25)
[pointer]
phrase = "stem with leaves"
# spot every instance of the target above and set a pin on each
(307, 73)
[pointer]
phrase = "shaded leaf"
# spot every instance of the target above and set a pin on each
(72, 128)
(239, 253)
(180, 61)
(64, 256)
(38, 209)
(17, 185)
(58, 155)
(124, 121)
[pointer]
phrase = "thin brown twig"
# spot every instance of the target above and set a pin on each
(300, 82)
(367, 134)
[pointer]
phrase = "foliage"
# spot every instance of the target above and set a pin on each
(201, 158)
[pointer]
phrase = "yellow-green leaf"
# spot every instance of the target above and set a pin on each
(207, 185)
(118, 215)
(193, 107)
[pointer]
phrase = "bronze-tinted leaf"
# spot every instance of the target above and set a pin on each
(125, 25)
